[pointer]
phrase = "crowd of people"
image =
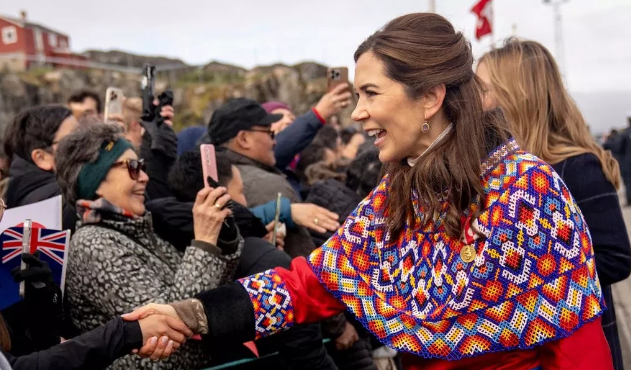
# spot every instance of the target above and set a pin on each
(469, 220)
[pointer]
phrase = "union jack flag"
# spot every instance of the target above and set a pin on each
(52, 245)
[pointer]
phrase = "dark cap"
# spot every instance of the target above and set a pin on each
(237, 115)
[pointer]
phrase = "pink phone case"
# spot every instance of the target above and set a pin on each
(209, 163)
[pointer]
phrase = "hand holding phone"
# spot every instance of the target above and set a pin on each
(338, 97)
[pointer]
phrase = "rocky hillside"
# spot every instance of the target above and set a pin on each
(125, 59)
(198, 91)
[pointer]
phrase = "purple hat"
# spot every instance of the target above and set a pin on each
(270, 106)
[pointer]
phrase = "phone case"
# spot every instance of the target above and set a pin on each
(209, 164)
(336, 76)
(113, 102)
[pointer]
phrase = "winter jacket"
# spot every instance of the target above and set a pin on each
(93, 350)
(159, 150)
(261, 184)
(522, 293)
(266, 212)
(300, 348)
(334, 196)
(30, 184)
(598, 200)
(296, 137)
(119, 264)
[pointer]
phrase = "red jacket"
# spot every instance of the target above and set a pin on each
(520, 294)
(586, 349)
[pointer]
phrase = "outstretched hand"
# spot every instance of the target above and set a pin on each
(314, 217)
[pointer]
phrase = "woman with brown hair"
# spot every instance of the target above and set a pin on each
(523, 79)
(469, 254)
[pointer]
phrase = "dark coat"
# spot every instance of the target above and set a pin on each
(336, 197)
(95, 349)
(29, 184)
(159, 150)
(598, 200)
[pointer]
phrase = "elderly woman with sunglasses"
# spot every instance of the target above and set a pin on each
(116, 261)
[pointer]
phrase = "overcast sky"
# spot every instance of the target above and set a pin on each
(597, 33)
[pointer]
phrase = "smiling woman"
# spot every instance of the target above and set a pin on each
(116, 261)
(468, 254)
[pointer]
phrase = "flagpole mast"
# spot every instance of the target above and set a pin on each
(431, 6)
(558, 34)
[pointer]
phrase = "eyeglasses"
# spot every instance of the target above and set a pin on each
(269, 132)
(134, 166)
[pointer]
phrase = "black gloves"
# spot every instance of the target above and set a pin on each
(42, 300)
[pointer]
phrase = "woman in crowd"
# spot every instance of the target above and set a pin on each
(116, 261)
(31, 142)
(522, 78)
(470, 253)
(95, 349)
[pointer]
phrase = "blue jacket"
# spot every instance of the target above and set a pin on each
(295, 138)
(266, 212)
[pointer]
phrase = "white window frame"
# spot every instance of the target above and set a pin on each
(52, 40)
(9, 35)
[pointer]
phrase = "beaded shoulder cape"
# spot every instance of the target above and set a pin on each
(533, 279)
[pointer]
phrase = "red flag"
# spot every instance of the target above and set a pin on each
(484, 10)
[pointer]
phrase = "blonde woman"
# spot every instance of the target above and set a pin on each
(523, 79)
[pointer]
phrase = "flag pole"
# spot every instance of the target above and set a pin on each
(492, 20)
(431, 6)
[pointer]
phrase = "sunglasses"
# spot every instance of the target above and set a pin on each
(269, 132)
(134, 166)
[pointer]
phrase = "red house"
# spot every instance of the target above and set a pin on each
(23, 44)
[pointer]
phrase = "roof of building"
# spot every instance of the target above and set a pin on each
(18, 22)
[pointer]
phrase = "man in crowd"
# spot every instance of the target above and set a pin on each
(85, 103)
(243, 129)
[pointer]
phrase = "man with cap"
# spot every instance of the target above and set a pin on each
(243, 129)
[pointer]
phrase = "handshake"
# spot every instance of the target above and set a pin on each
(163, 332)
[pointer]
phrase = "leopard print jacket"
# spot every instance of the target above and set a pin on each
(117, 266)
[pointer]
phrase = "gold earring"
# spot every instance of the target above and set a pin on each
(425, 127)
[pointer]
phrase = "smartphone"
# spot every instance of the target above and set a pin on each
(336, 76)
(26, 248)
(114, 98)
(276, 219)
(209, 163)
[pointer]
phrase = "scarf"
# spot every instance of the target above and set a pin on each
(94, 211)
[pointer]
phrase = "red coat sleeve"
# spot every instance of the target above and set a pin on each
(282, 298)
